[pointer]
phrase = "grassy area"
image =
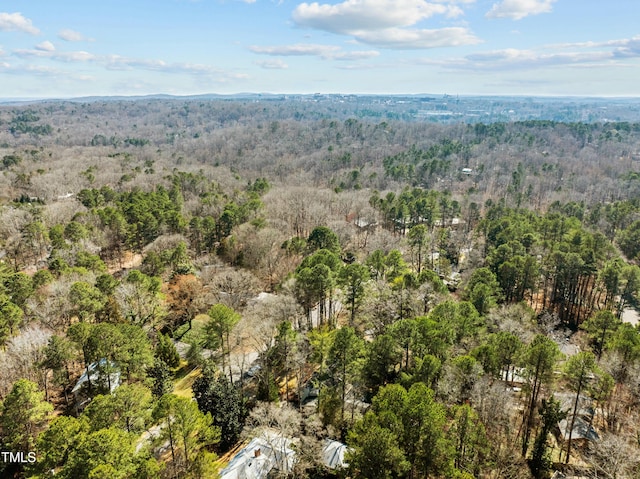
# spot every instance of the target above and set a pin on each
(184, 381)
(185, 375)
(196, 333)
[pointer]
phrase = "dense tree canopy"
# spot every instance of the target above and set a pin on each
(407, 285)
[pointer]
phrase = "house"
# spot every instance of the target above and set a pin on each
(365, 223)
(309, 391)
(333, 454)
(567, 402)
(309, 385)
(515, 376)
(104, 375)
(264, 453)
(583, 430)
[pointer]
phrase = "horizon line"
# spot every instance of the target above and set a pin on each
(311, 94)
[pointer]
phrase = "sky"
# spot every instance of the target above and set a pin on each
(72, 48)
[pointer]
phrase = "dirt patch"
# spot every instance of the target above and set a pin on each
(128, 261)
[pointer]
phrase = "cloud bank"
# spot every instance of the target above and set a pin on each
(386, 23)
(326, 52)
(72, 36)
(519, 9)
(15, 22)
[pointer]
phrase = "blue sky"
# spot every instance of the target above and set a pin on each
(67, 48)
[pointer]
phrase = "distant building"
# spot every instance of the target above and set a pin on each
(365, 223)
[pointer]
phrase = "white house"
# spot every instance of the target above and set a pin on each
(260, 456)
(103, 374)
(333, 454)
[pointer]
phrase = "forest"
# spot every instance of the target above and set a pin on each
(193, 287)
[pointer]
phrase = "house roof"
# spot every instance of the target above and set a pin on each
(567, 402)
(262, 454)
(96, 372)
(365, 222)
(333, 454)
(581, 430)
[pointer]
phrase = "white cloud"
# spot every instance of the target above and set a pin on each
(299, 49)
(400, 38)
(15, 22)
(45, 46)
(47, 75)
(79, 56)
(365, 14)
(618, 49)
(72, 36)
(47, 50)
(519, 9)
(37, 70)
(385, 23)
(622, 43)
(275, 64)
(117, 62)
(512, 59)
(454, 12)
(528, 58)
(326, 52)
(628, 48)
(356, 55)
(40, 70)
(361, 66)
